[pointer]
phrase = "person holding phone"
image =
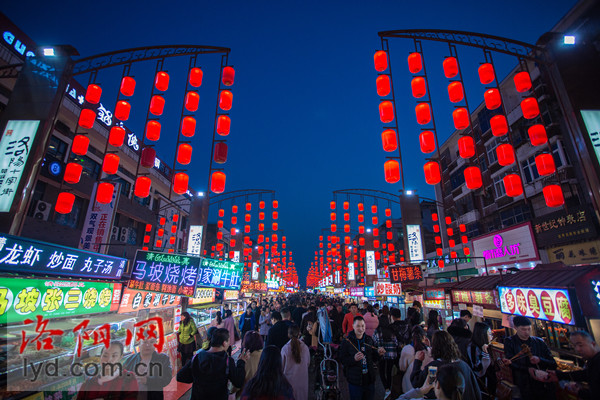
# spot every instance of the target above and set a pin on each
(446, 382)
(252, 348)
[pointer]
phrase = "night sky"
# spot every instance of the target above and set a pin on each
(305, 111)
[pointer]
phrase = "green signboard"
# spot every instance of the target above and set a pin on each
(220, 274)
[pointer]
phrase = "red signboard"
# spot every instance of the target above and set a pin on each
(399, 274)
(482, 297)
(134, 300)
(387, 289)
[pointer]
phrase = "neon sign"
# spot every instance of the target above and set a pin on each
(501, 250)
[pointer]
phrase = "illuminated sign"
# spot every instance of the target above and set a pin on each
(272, 284)
(18, 45)
(236, 256)
(254, 286)
(370, 263)
(195, 240)
(254, 271)
(591, 119)
(514, 245)
(351, 271)
(546, 304)
(369, 291)
(437, 304)
(387, 289)
(399, 274)
(357, 291)
(134, 300)
(596, 287)
(435, 294)
(415, 243)
(203, 296)
(483, 297)
(165, 273)
(231, 294)
(502, 249)
(220, 274)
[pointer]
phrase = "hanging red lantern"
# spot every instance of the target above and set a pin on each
(275, 204)
(545, 164)
(161, 82)
(499, 125)
(473, 178)
(192, 99)
(537, 135)
(388, 212)
(346, 205)
(486, 73)
(225, 100)
(111, 163)
(64, 203)
(530, 108)
(217, 182)
(127, 86)
(389, 140)
(223, 125)
(466, 251)
(392, 171)
(376, 245)
(148, 157)
(247, 218)
(346, 217)
(220, 155)
(233, 220)
(448, 220)
(464, 239)
(462, 228)
(492, 99)
(466, 147)
(87, 118)
(248, 206)
(450, 65)
(275, 215)
(386, 111)
(415, 62)
(180, 183)
(142, 186)
(228, 76)
(381, 60)
(332, 205)
(436, 228)
(93, 93)
(274, 226)
(116, 136)
(122, 110)
(389, 235)
(374, 220)
(221, 213)
(553, 195)
(346, 228)
(153, 130)
(161, 222)
(383, 85)
(361, 218)
(450, 232)
(73, 173)
(427, 141)
(418, 86)
(146, 238)
(438, 240)
(522, 81)
(423, 112)
(157, 105)
(158, 243)
(374, 209)
(80, 145)
(506, 154)
(460, 116)
(195, 77)
(433, 175)
(434, 217)
(261, 205)
(184, 154)
(361, 241)
(456, 92)
(104, 193)
(513, 185)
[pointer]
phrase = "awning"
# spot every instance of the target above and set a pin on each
(554, 276)
(488, 282)
(451, 272)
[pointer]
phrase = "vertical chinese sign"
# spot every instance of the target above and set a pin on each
(165, 273)
(415, 243)
(195, 240)
(98, 221)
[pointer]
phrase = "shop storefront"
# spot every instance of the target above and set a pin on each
(439, 297)
(479, 296)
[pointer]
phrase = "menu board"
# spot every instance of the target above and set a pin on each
(165, 273)
(203, 296)
(134, 300)
(387, 289)
(399, 274)
(546, 304)
(220, 274)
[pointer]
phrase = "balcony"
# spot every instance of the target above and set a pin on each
(469, 217)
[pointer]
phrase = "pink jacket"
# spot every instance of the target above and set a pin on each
(371, 322)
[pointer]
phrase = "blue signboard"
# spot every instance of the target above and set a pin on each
(220, 274)
(165, 273)
(369, 291)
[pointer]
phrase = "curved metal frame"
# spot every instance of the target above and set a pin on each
(369, 193)
(238, 193)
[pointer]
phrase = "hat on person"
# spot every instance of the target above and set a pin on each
(521, 321)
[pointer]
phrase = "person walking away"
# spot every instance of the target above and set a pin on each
(269, 381)
(253, 346)
(371, 321)
(187, 336)
(480, 361)
(462, 336)
(433, 323)
(349, 319)
(152, 370)
(229, 324)
(217, 322)
(298, 312)
(209, 371)
(384, 316)
(264, 322)
(247, 321)
(449, 384)
(278, 335)
(523, 369)
(400, 328)
(419, 342)
(337, 319)
(357, 354)
(384, 337)
(295, 358)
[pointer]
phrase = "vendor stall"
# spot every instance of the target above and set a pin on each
(479, 296)
(439, 297)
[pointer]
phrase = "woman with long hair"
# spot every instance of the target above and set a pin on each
(480, 360)
(269, 383)
(449, 384)
(433, 324)
(295, 357)
(371, 320)
(419, 342)
(187, 336)
(252, 345)
(229, 324)
(217, 322)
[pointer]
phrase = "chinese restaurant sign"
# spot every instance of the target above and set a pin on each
(357, 291)
(203, 296)
(435, 294)
(437, 304)
(513, 245)
(574, 254)
(546, 304)
(134, 300)
(98, 220)
(482, 297)
(231, 294)
(28, 256)
(220, 274)
(560, 227)
(415, 243)
(165, 273)
(21, 299)
(399, 274)
(254, 286)
(387, 289)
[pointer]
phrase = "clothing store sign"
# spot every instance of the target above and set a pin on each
(545, 304)
(165, 273)
(515, 245)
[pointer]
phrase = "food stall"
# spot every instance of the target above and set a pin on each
(439, 297)
(203, 309)
(479, 296)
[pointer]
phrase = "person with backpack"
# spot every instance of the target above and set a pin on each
(384, 337)
(400, 328)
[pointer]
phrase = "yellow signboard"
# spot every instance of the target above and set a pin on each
(574, 254)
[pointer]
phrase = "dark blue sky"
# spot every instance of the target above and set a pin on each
(305, 118)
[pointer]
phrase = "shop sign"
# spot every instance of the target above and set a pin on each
(545, 304)
(435, 294)
(514, 245)
(22, 299)
(415, 243)
(351, 271)
(448, 302)
(370, 262)
(195, 240)
(561, 227)
(399, 274)
(203, 296)
(433, 263)
(98, 221)
(338, 290)
(231, 294)
(437, 304)
(369, 291)
(177, 321)
(165, 273)
(591, 119)
(254, 286)
(387, 289)
(596, 287)
(482, 297)
(220, 274)
(15, 146)
(477, 311)
(573, 254)
(272, 284)
(27, 256)
(134, 300)
(357, 291)
(254, 271)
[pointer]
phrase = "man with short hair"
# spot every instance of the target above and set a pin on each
(349, 319)
(400, 328)
(247, 321)
(466, 315)
(278, 334)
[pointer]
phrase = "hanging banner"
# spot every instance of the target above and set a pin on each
(254, 271)
(370, 262)
(399, 274)
(387, 289)
(351, 271)
(220, 274)
(134, 300)
(546, 304)
(99, 221)
(194, 245)
(415, 243)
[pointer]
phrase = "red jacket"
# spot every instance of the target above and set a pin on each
(348, 321)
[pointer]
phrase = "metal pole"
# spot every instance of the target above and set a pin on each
(486, 268)
(456, 266)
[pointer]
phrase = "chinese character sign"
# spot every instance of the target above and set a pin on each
(220, 274)
(203, 296)
(195, 240)
(370, 262)
(351, 271)
(435, 294)
(399, 274)
(32, 257)
(98, 221)
(134, 300)
(415, 243)
(546, 304)
(165, 273)
(369, 291)
(387, 289)
(357, 291)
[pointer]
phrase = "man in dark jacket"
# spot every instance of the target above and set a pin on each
(400, 328)
(151, 369)
(278, 334)
(247, 322)
(358, 355)
(209, 371)
(297, 314)
(462, 336)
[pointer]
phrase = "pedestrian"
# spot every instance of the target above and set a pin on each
(264, 322)
(384, 337)
(186, 337)
(247, 321)
(419, 342)
(337, 319)
(347, 324)
(466, 315)
(418, 307)
(480, 361)
(400, 328)
(229, 324)
(253, 346)
(433, 324)
(209, 333)
(296, 358)
(308, 328)
(278, 334)
(461, 334)
(371, 321)
(217, 322)
(298, 312)
(269, 382)
(152, 370)
(448, 384)
(209, 371)
(384, 316)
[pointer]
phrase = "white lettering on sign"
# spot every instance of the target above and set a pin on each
(132, 141)
(19, 46)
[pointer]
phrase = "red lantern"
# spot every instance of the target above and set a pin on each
(275, 204)
(392, 171)
(361, 218)
(148, 157)
(217, 182)
(461, 118)
(332, 205)
(346, 217)
(162, 221)
(346, 205)
(261, 205)
(221, 213)
(225, 100)
(87, 118)
(513, 185)
(433, 176)
(506, 154)
(418, 86)
(499, 125)
(180, 183)
(80, 145)
(522, 81)
(462, 228)
(233, 220)
(333, 227)
(434, 217)
(381, 60)
(104, 193)
(450, 232)
(275, 215)
(427, 141)
(456, 92)
(228, 76)
(111, 163)
(116, 136)
(376, 244)
(127, 86)
(220, 155)
(530, 108)
(153, 130)
(464, 239)
(450, 65)
(374, 220)
(157, 105)
(184, 154)
(415, 62)
(192, 99)
(537, 135)
(386, 111)
(486, 73)
(122, 110)
(93, 93)
(73, 173)
(492, 99)
(158, 243)
(545, 164)
(188, 126)
(473, 178)
(374, 209)
(195, 77)
(388, 212)
(466, 147)
(274, 226)
(142, 186)
(383, 85)
(223, 125)
(171, 241)
(553, 195)
(247, 218)
(64, 203)
(467, 251)
(146, 238)
(389, 140)
(423, 112)
(161, 82)
(389, 235)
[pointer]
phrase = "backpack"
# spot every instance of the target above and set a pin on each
(402, 331)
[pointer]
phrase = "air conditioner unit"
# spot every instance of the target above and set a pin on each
(124, 235)
(42, 210)
(114, 234)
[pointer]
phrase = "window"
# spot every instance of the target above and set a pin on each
(91, 168)
(483, 163)
(490, 149)
(472, 230)
(57, 148)
(484, 116)
(464, 204)
(559, 154)
(125, 186)
(499, 187)
(529, 169)
(457, 178)
(143, 201)
(515, 215)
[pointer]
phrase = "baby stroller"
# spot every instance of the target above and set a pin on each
(329, 369)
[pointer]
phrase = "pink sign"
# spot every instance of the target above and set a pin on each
(501, 249)
(357, 291)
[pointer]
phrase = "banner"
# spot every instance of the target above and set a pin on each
(399, 274)
(195, 240)
(387, 289)
(165, 273)
(254, 271)
(134, 300)
(98, 221)
(351, 271)
(370, 263)
(415, 243)
(220, 274)
(546, 304)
